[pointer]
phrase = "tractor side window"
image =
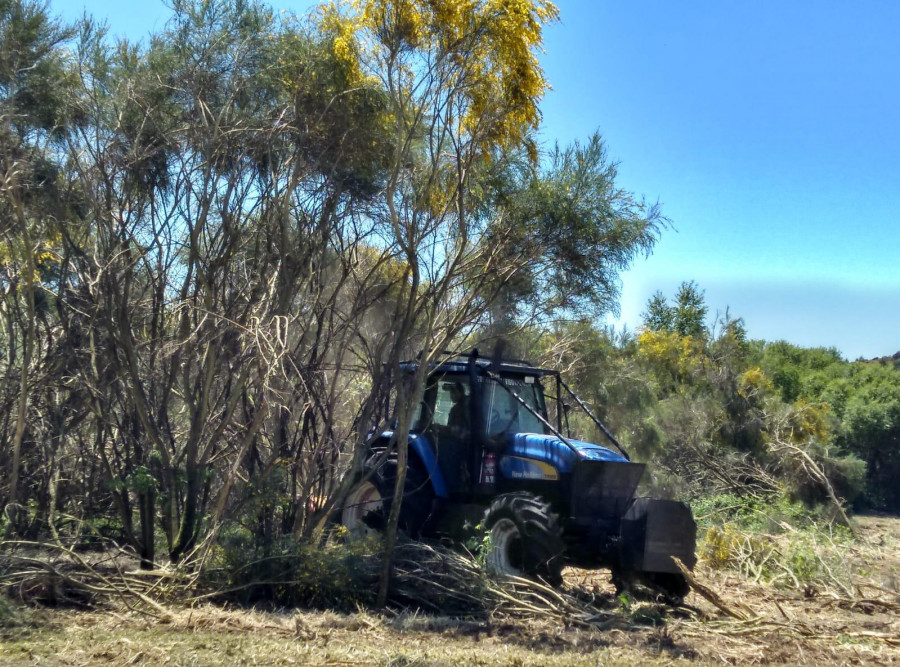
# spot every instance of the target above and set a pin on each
(451, 406)
(528, 423)
(500, 411)
(423, 417)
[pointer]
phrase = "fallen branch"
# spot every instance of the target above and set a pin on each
(709, 595)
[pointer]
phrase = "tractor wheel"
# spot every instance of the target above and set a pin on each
(662, 586)
(368, 506)
(363, 502)
(418, 494)
(525, 538)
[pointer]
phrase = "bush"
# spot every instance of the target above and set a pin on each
(755, 514)
(779, 542)
(340, 574)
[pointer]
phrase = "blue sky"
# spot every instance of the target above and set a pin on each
(767, 130)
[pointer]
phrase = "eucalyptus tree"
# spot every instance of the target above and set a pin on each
(34, 86)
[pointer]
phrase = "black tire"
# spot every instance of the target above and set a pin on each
(662, 586)
(367, 507)
(418, 494)
(673, 587)
(525, 538)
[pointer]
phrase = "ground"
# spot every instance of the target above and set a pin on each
(754, 623)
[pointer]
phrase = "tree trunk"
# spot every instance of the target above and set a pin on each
(147, 509)
(190, 515)
(24, 383)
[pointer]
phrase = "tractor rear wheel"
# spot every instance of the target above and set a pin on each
(367, 507)
(525, 538)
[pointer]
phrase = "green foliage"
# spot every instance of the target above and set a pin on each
(690, 311)
(780, 541)
(753, 514)
(864, 404)
(659, 316)
(34, 82)
(787, 381)
(479, 544)
(576, 226)
(871, 429)
(686, 317)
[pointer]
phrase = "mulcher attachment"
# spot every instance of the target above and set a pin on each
(653, 531)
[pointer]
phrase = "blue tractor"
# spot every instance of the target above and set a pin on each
(484, 450)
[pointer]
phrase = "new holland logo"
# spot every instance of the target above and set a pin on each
(516, 467)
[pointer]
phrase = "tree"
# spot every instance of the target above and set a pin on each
(690, 311)
(659, 316)
(34, 84)
(462, 81)
(686, 316)
(570, 230)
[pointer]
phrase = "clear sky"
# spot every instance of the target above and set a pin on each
(769, 132)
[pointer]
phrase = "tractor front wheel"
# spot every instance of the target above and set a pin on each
(524, 538)
(661, 586)
(364, 499)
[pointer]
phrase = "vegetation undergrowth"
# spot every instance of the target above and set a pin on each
(338, 574)
(8, 615)
(778, 542)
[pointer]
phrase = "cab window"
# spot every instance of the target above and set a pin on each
(504, 414)
(450, 398)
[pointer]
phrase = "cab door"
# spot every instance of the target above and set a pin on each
(449, 429)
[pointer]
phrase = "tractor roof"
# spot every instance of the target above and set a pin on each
(459, 363)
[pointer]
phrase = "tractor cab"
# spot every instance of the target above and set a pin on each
(469, 417)
(488, 426)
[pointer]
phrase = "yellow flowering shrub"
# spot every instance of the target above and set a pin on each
(728, 547)
(679, 356)
(754, 381)
(810, 421)
(484, 50)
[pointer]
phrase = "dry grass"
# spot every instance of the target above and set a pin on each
(212, 636)
(853, 620)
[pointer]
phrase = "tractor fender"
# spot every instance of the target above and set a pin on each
(421, 447)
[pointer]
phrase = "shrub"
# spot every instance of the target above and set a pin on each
(339, 574)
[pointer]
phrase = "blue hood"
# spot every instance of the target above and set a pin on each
(552, 450)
